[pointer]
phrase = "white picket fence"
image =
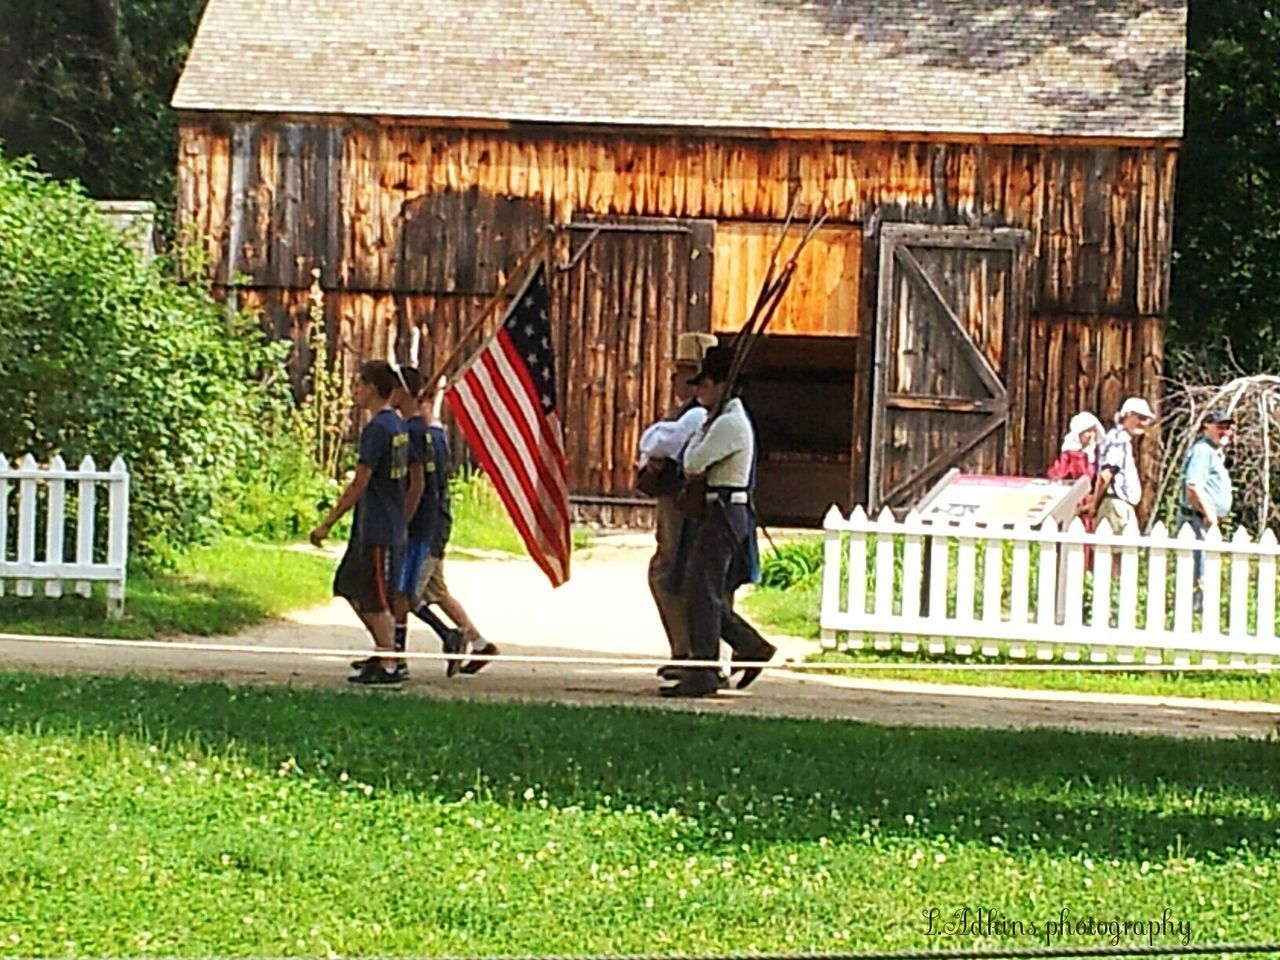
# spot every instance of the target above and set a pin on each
(45, 496)
(956, 588)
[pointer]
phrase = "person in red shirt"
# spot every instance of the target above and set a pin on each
(1079, 455)
(1079, 458)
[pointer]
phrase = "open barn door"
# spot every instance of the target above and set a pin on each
(948, 386)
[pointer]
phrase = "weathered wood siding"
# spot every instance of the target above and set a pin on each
(823, 297)
(616, 320)
(410, 224)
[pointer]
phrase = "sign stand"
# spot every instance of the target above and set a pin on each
(1000, 502)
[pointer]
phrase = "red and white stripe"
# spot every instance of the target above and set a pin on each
(520, 448)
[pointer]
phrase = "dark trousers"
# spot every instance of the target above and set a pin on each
(1196, 521)
(719, 542)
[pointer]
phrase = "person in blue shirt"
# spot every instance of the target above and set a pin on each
(1206, 493)
(369, 570)
(429, 538)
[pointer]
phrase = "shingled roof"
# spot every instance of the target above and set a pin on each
(1040, 67)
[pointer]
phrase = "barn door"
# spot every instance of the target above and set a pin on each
(638, 284)
(950, 325)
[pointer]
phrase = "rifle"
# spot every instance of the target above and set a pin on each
(692, 499)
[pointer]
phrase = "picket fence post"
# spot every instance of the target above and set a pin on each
(4, 516)
(912, 574)
(118, 536)
(857, 601)
(26, 521)
(85, 517)
(1267, 584)
(56, 519)
(830, 576)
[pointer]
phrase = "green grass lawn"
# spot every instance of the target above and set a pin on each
(481, 522)
(153, 818)
(215, 589)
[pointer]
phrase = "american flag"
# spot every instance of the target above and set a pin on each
(505, 403)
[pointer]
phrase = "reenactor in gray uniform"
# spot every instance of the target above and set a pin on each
(661, 447)
(722, 453)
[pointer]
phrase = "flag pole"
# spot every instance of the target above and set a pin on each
(441, 369)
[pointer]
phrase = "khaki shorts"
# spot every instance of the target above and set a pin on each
(431, 587)
(1117, 513)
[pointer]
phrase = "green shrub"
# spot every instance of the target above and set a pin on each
(103, 355)
(792, 564)
(280, 496)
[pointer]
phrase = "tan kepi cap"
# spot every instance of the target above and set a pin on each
(692, 347)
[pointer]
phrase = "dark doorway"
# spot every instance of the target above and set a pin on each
(799, 391)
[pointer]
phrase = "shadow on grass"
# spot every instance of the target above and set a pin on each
(1109, 796)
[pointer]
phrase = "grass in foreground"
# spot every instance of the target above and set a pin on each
(216, 589)
(142, 817)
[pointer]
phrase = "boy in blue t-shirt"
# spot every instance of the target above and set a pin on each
(369, 570)
(423, 511)
(429, 587)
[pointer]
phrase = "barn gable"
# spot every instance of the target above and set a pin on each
(1033, 67)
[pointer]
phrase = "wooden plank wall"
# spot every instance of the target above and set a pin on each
(409, 223)
(823, 297)
(629, 300)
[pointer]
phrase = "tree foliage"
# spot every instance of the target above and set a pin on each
(103, 355)
(85, 87)
(1226, 276)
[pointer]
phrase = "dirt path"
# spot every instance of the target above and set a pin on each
(605, 610)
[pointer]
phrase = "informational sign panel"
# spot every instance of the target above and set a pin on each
(1002, 501)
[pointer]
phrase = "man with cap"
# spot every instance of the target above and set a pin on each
(661, 446)
(1206, 493)
(1117, 488)
(723, 453)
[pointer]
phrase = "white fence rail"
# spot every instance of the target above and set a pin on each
(36, 540)
(954, 588)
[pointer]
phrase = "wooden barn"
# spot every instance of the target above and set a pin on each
(999, 176)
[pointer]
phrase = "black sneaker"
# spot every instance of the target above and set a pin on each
(402, 668)
(475, 666)
(374, 676)
(452, 642)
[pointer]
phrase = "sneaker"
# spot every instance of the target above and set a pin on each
(402, 668)
(475, 666)
(374, 676)
(452, 642)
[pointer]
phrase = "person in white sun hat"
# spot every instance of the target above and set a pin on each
(1117, 488)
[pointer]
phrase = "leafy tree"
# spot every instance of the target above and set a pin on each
(1226, 277)
(101, 354)
(85, 86)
